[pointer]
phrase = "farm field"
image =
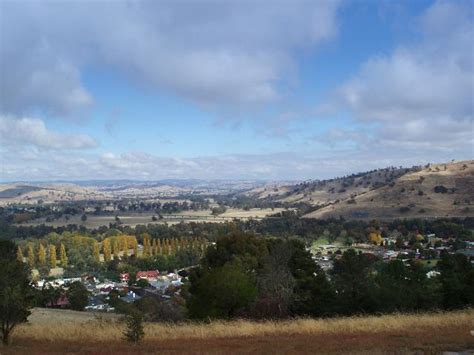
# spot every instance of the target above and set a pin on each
(57, 331)
(133, 219)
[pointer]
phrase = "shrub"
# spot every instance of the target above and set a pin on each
(134, 327)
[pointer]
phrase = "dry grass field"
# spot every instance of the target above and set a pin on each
(84, 333)
(133, 219)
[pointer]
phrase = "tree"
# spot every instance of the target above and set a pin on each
(353, 285)
(457, 281)
(84, 218)
(41, 255)
(96, 252)
(106, 250)
(31, 256)
(52, 256)
(19, 254)
(15, 291)
(78, 296)
(221, 293)
(63, 256)
(134, 326)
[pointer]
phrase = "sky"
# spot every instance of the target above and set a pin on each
(268, 90)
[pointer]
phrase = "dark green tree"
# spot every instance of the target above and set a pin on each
(221, 292)
(78, 296)
(16, 293)
(457, 281)
(353, 284)
(134, 326)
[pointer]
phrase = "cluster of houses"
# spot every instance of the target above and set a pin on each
(429, 247)
(163, 286)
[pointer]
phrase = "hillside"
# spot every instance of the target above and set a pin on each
(323, 192)
(440, 190)
(384, 193)
(61, 331)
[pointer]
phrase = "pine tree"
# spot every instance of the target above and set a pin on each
(63, 256)
(52, 256)
(41, 255)
(19, 254)
(106, 250)
(96, 252)
(31, 256)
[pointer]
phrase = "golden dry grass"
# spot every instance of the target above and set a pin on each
(85, 333)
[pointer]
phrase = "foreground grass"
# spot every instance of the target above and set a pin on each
(429, 333)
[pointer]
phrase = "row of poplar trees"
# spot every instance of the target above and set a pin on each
(112, 248)
(41, 258)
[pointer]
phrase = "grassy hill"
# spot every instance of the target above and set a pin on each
(440, 190)
(57, 331)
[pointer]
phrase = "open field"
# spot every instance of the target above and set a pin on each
(56, 331)
(132, 219)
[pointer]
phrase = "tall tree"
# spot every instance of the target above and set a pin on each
(31, 256)
(106, 250)
(19, 254)
(96, 252)
(41, 255)
(15, 291)
(52, 256)
(63, 256)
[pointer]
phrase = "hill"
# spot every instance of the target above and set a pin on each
(58, 331)
(439, 190)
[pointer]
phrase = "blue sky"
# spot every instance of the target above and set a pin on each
(232, 89)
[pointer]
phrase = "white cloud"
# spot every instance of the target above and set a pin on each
(214, 53)
(422, 95)
(33, 131)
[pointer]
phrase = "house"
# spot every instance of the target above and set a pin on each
(61, 302)
(124, 277)
(130, 297)
(151, 275)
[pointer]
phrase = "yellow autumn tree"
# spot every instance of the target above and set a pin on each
(63, 256)
(135, 247)
(96, 252)
(19, 254)
(106, 250)
(41, 255)
(31, 256)
(146, 245)
(375, 237)
(115, 248)
(52, 256)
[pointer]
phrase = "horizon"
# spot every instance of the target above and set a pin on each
(291, 91)
(260, 180)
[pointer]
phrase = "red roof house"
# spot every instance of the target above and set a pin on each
(151, 275)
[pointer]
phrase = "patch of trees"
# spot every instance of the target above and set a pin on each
(247, 276)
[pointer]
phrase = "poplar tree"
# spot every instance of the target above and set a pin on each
(106, 250)
(96, 252)
(52, 256)
(41, 255)
(31, 256)
(63, 255)
(19, 254)
(135, 247)
(115, 248)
